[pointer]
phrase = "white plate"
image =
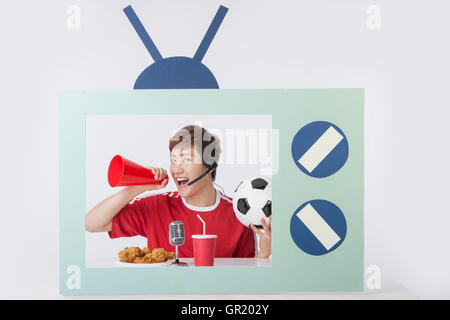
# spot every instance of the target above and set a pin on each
(144, 265)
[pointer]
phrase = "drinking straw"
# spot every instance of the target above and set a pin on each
(204, 224)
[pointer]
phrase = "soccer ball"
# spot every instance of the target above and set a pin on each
(252, 201)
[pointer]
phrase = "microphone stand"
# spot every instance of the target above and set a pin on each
(176, 238)
(177, 262)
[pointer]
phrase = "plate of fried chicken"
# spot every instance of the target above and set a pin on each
(144, 258)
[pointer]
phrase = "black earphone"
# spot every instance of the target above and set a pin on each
(210, 161)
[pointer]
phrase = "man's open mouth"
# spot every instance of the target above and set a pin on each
(182, 182)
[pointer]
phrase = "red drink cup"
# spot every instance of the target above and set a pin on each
(204, 249)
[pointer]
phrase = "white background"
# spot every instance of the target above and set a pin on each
(403, 67)
(144, 139)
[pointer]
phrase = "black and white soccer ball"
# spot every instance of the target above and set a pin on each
(252, 201)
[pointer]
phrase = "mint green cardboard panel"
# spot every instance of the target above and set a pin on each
(292, 269)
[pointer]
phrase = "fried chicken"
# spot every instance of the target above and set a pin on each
(129, 254)
(159, 255)
(136, 255)
(139, 260)
(170, 255)
(148, 258)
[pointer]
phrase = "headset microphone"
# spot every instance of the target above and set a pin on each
(214, 165)
(211, 163)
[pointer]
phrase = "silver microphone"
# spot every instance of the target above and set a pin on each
(176, 236)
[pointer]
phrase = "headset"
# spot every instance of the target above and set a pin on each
(210, 161)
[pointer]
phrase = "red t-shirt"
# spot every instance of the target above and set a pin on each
(150, 217)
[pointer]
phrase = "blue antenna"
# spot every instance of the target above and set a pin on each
(176, 72)
(209, 36)
(142, 33)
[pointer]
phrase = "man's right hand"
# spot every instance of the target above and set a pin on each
(159, 173)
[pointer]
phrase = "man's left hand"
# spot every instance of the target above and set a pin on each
(265, 238)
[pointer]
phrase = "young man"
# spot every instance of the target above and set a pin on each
(194, 154)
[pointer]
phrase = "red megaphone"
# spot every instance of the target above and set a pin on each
(123, 172)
